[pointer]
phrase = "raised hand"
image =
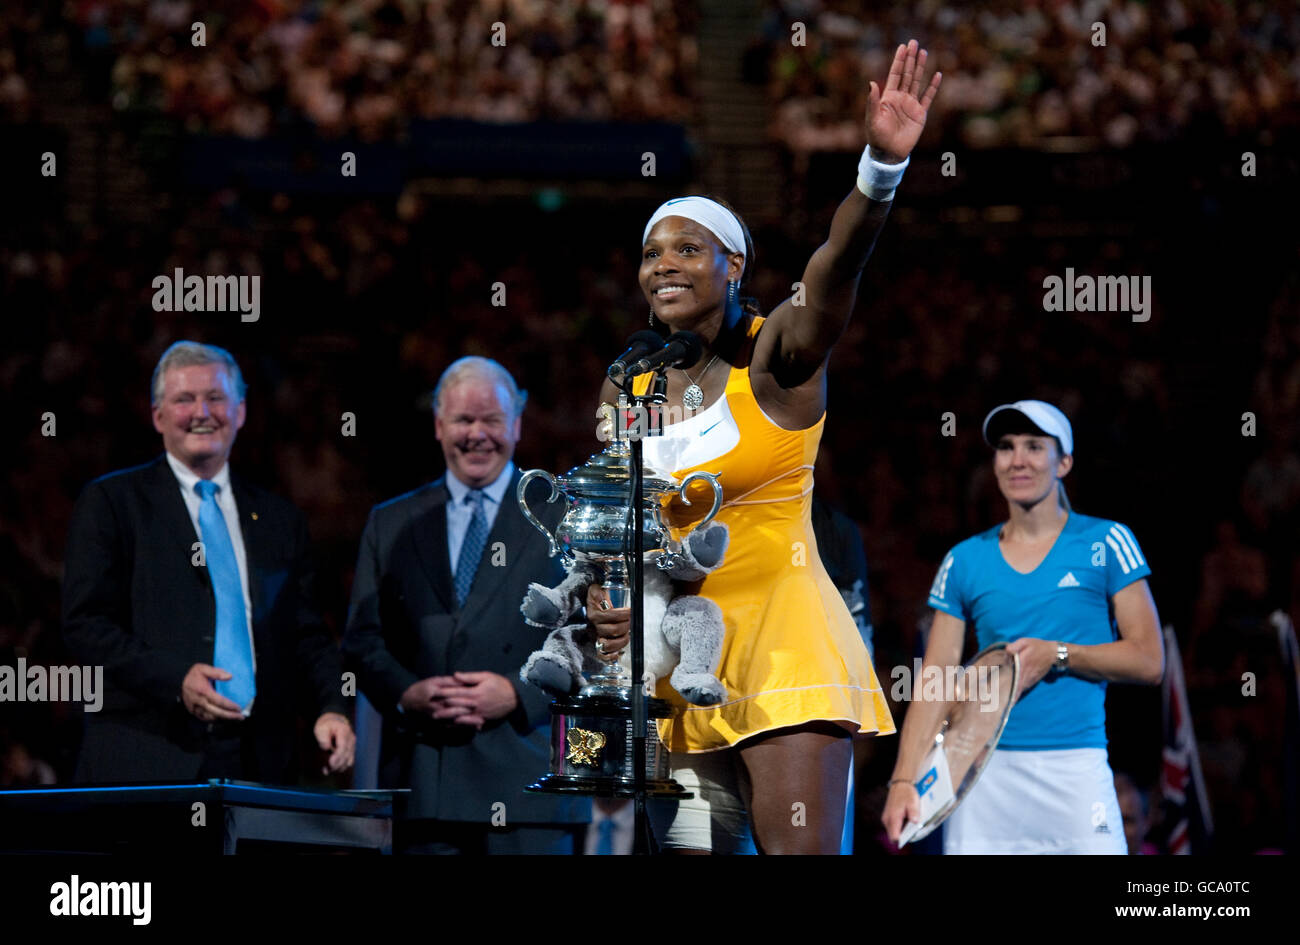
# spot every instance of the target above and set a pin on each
(896, 117)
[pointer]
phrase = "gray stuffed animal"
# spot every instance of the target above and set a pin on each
(683, 634)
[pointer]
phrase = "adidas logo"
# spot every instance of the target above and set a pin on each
(1068, 581)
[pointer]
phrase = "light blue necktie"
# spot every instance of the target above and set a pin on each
(234, 649)
(471, 548)
(605, 837)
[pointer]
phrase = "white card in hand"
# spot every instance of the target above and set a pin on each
(935, 788)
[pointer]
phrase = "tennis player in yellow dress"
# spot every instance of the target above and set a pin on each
(769, 765)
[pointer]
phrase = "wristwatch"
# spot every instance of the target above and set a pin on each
(1062, 664)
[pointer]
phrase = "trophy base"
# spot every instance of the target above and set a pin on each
(591, 748)
(605, 787)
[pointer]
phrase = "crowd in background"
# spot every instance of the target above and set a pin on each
(18, 28)
(1021, 72)
(365, 301)
(367, 67)
(362, 306)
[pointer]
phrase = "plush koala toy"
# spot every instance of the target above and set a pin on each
(683, 634)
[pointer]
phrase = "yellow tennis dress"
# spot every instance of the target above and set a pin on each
(792, 653)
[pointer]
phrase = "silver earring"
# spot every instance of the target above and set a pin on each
(652, 318)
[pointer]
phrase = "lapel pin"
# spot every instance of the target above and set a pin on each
(255, 516)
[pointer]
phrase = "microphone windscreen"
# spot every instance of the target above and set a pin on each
(647, 339)
(690, 341)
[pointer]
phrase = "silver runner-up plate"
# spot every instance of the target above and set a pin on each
(985, 691)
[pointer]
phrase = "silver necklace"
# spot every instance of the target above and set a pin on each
(693, 396)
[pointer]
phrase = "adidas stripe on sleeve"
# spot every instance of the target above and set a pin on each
(944, 593)
(1125, 562)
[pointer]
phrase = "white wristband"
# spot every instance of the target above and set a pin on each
(879, 181)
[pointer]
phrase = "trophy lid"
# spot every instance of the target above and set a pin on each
(612, 468)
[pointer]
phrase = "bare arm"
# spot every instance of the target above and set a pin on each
(921, 722)
(944, 649)
(806, 332)
(1138, 656)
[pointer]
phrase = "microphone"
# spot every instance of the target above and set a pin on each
(681, 350)
(638, 346)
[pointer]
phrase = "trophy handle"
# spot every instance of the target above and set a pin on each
(528, 513)
(717, 496)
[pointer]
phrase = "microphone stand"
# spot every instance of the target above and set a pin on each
(642, 406)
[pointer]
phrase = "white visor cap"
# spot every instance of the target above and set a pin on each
(1048, 419)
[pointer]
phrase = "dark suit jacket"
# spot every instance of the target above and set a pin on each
(404, 626)
(134, 603)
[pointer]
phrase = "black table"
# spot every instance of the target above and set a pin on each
(211, 817)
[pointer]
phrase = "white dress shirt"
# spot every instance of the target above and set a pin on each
(225, 498)
(459, 512)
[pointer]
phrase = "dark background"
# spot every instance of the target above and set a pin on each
(524, 165)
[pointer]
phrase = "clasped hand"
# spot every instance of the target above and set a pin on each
(464, 698)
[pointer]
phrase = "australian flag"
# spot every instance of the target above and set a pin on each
(1188, 825)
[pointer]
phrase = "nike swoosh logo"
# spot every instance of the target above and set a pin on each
(702, 432)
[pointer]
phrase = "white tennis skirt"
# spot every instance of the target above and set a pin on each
(1058, 801)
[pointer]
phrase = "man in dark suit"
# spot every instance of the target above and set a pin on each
(192, 588)
(435, 633)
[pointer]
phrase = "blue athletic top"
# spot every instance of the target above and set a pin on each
(1066, 598)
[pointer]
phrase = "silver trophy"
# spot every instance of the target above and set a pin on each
(591, 744)
(598, 523)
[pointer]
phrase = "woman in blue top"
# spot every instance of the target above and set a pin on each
(1068, 592)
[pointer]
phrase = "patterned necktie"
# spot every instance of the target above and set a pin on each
(471, 548)
(234, 650)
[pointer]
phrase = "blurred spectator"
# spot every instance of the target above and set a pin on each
(18, 769)
(1134, 808)
(839, 544)
(1270, 493)
(1230, 605)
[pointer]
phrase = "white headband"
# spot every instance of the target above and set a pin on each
(710, 214)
